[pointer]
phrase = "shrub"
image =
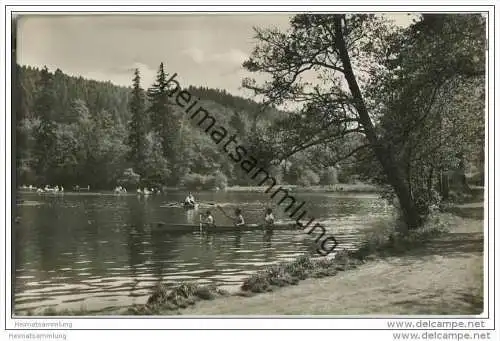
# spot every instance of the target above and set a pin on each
(193, 181)
(204, 182)
(308, 178)
(129, 178)
(181, 296)
(426, 200)
(329, 176)
(218, 180)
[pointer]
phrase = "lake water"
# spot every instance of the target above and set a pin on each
(101, 251)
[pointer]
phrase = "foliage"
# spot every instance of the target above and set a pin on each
(166, 125)
(73, 131)
(303, 267)
(308, 178)
(330, 176)
(433, 95)
(178, 297)
(220, 180)
(418, 117)
(385, 241)
(195, 181)
(137, 126)
(156, 167)
(371, 93)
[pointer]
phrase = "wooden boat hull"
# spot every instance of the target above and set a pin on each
(181, 205)
(189, 228)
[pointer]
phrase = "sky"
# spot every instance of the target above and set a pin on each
(203, 49)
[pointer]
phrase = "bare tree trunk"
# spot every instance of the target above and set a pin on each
(444, 188)
(408, 173)
(461, 175)
(383, 154)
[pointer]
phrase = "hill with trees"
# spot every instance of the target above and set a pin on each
(75, 131)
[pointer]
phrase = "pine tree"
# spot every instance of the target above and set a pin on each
(45, 134)
(137, 126)
(45, 96)
(165, 124)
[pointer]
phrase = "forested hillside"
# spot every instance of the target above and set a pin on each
(75, 131)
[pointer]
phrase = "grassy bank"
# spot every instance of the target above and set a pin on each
(348, 188)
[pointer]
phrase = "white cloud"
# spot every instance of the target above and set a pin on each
(123, 75)
(232, 56)
(196, 54)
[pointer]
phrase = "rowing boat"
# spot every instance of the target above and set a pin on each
(182, 205)
(193, 207)
(186, 228)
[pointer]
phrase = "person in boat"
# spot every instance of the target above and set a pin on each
(269, 217)
(189, 201)
(209, 219)
(239, 220)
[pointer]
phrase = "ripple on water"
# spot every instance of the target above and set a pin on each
(83, 274)
(125, 268)
(183, 265)
(83, 262)
(255, 264)
(192, 272)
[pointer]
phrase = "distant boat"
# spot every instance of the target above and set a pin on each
(120, 190)
(144, 191)
(77, 188)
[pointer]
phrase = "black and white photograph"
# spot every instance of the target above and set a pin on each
(171, 164)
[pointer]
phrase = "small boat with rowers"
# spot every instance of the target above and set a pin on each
(207, 224)
(190, 228)
(198, 205)
(189, 203)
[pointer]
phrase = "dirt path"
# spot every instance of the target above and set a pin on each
(443, 277)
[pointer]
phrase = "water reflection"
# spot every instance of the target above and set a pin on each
(105, 251)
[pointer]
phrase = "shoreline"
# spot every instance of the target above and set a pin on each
(340, 188)
(441, 275)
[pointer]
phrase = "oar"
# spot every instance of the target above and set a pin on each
(172, 204)
(200, 224)
(224, 212)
